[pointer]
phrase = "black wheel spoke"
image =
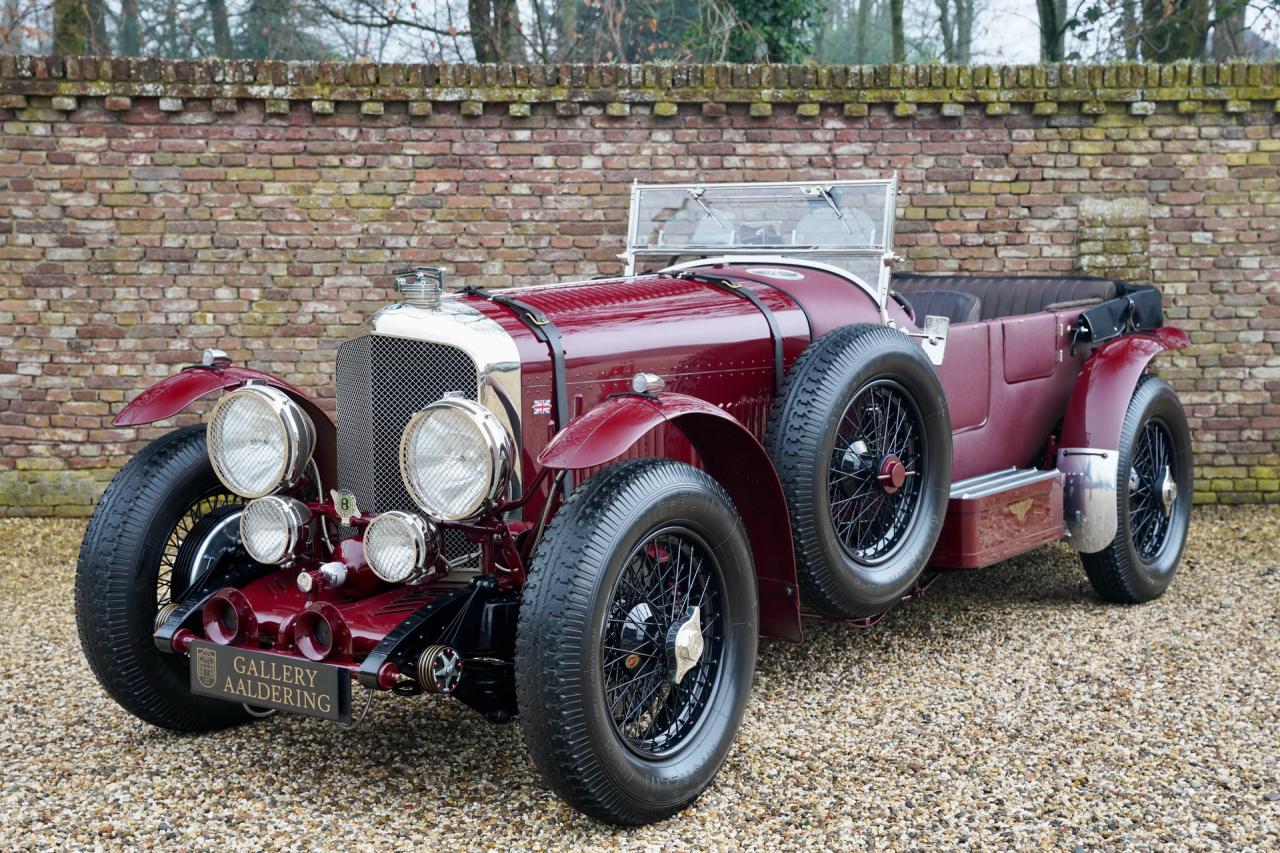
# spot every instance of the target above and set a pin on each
(1150, 464)
(166, 581)
(667, 574)
(871, 518)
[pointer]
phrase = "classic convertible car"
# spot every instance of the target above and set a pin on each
(584, 502)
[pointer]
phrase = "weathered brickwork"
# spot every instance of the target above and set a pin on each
(149, 209)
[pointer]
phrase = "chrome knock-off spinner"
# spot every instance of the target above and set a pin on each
(1168, 490)
(684, 644)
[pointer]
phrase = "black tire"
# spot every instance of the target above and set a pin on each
(831, 490)
(1141, 561)
(132, 539)
(613, 526)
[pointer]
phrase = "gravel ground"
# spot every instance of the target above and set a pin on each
(1008, 709)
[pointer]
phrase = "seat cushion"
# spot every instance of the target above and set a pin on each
(1010, 295)
(955, 306)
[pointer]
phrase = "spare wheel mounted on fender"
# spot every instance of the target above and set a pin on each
(861, 438)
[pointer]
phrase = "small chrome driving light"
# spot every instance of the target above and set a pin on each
(456, 459)
(399, 546)
(271, 527)
(259, 440)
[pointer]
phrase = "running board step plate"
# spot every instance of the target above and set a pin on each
(999, 515)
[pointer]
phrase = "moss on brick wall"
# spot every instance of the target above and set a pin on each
(807, 87)
(149, 209)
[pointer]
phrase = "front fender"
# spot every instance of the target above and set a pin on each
(170, 396)
(1100, 398)
(730, 454)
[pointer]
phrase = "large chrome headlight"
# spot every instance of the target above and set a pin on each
(271, 527)
(456, 458)
(398, 545)
(259, 440)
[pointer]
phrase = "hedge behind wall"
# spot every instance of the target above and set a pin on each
(149, 209)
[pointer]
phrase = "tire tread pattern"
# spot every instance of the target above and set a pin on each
(1115, 572)
(792, 437)
(555, 614)
(112, 594)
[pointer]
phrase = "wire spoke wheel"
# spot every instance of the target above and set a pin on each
(178, 567)
(1150, 488)
(162, 522)
(874, 475)
(1153, 500)
(636, 640)
(668, 581)
(861, 439)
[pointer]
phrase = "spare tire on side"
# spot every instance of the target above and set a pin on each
(861, 438)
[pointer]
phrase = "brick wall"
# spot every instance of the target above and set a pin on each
(149, 209)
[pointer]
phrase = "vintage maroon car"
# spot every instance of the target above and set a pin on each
(585, 502)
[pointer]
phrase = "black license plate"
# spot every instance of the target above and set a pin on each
(266, 680)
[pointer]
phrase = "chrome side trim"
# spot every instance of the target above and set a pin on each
(488, 345)
(1089, 496)
(779, 259)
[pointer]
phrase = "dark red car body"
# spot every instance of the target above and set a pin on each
(584, 503)
(1010, 382)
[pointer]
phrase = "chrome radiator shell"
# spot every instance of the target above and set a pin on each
(409, 357)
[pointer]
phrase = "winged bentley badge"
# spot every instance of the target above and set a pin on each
(345, 503)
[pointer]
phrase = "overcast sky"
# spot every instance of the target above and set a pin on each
(1013, 34)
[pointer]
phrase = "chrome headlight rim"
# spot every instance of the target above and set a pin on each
(297, 434)
(421, 535)
(291, 514)
(500, 457)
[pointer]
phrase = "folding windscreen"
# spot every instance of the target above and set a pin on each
(846, 224)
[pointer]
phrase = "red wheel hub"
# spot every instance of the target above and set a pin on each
(893, 474)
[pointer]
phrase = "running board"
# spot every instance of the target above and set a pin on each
(998, 481)
(999, 515)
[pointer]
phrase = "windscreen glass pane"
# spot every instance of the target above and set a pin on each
(841, 217)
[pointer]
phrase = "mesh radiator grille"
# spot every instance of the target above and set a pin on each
(381, 382)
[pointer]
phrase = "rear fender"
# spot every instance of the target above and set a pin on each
(170, 396)
(1101, 395)
(1088, 452)
(730, 454)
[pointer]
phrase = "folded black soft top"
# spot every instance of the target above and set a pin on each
(1113, 307)
(1136, 308)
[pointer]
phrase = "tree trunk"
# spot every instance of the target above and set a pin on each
(130, 29)
(1228, 30)
(495, 30)
(1053, 15)
(819, 38)
(860, 35)
(221, 28)
(511, 45)
(964, 31)
(566, 14)
(1129, 28)
(79, 28)
(479, 22)
(899, 34)
(948, 35)
(1174, 29)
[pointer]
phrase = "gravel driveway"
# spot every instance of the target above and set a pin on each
(1009, 708)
